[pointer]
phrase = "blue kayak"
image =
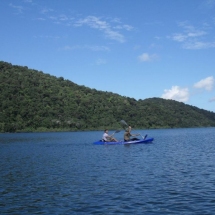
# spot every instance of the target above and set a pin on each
(147, 140)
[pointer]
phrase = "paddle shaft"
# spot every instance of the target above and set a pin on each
(117, 131)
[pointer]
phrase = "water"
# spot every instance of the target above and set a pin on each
(64, 173)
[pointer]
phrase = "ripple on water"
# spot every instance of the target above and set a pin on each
(64, 173)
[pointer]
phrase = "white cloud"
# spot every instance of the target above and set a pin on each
(147, 57)
(126, 27)
(176, 93)
(105, 27)
(189, 32)
(100, 62)
(179, 37)
(192, 38)
(206, 83)
(210, 4)
(63, 17)
(112, 28)
(92, 48)
(48, 37)
(198, 45)
(17, 7)
(46, 10)
(41, 19)
(212, 99)
(182, 94)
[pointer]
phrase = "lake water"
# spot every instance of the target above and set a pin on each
(64, 173)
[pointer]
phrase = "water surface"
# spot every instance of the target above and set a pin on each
(64, 173)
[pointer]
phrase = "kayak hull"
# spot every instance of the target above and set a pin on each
(147, 140)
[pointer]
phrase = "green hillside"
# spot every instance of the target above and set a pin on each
(34, 101)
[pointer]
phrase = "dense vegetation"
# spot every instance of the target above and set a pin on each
(34, 101)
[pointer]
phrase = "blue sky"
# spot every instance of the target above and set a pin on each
(139, 49)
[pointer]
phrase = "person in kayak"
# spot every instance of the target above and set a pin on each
(108, 138)
(128, 135)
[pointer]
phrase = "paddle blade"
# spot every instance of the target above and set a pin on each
(124, 124)
(117, 131)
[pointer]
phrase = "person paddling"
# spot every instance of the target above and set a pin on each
(128, 134)
(108, 138)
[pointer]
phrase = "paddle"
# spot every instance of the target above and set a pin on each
(117, 131)
(111, 136)
(125, 125)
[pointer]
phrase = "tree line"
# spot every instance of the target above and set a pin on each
(34, 101)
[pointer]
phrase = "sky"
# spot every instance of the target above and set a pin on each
(139, 49)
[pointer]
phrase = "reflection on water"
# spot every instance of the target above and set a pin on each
(64, 173)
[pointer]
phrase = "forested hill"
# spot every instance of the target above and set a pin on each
(34, 101)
